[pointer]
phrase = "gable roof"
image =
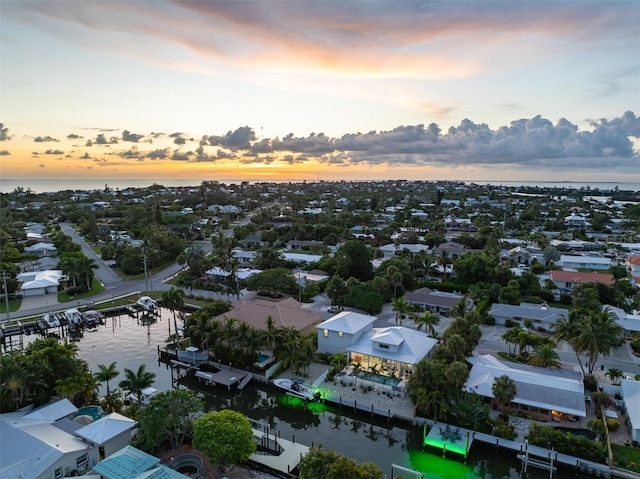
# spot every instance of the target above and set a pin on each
(558, 390)
(431, 297)
(528, 311)
(23, 455)
(348, 322)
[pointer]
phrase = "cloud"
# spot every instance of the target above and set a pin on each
(44, 139)
(4, 153)
(41, 165)
(101, 139)
(526, 142)
(4, 133)
(73, 136)
(178, 140)
(159, 154)
(132, 137)
(54, 152)
(86, 156)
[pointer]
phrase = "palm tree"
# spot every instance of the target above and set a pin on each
(401, 307)
(511, 337)
(428, 320)
(567, 329)
(68, 387)
(615, 375)
(271, 335)
(545, 356)
(504, 390)
(174, 300)
(106, 374)
(600, 333)
(85, 266)
(394, 276)
(443, 260)
(136, 381)
(69, 264)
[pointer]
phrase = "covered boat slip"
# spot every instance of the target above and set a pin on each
(226, 376)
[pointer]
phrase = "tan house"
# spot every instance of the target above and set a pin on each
(286, 313)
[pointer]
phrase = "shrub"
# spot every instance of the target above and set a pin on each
(510, 323)
(613, 424)
(490, 321)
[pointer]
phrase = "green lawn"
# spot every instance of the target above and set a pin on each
(96, 288)
(14, 305)
(626, 457)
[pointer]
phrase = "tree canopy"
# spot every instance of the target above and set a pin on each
(225, 437)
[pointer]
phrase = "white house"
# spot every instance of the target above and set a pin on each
(440, 302)
(35, 283)
(584, 262)
(539, 391)
(45, 443)
(394, 348)
(576, 221)
(339, 332)
(631, 397)
(42, 249)
(542, 316)
(629, 322)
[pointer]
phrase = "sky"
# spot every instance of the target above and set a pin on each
(321, 89)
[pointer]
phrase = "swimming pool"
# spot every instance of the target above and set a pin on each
(378, 378)
(95, 412)
(263, 357)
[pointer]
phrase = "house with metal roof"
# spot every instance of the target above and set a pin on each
(46, 442)
(395, 348)
(542, 315)
(629, 322)
(339, 332)
(540, 392)
(631, 397)
(584, 262)
(39, 282)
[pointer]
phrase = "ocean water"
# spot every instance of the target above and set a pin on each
(41, 185)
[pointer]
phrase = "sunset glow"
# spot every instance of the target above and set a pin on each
(320, 90)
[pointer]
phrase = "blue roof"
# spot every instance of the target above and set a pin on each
(127, 463)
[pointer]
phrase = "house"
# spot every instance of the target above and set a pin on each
(42, 249)
(630, 323)
(439, 302)
(302, 258)
(567, 280)
(132, 463)
(584, 262)
(245, 258)
(46, 442)
(632, 263)
(339, 332)
(394, 348)
(576, 221)
(220, 275)
(539, 391)
(35, 283)
(631, 396)
(286, 313)
(542, 315)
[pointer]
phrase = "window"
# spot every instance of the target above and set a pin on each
(82, 460)
(58, 473)
(340, 334)
(325, 333)
(383, 346)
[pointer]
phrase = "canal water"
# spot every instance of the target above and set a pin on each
(356, 435)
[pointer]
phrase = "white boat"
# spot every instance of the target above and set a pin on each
(146, 303)
(145, 397)
(51, 320)
(73, 316)
(297, 389)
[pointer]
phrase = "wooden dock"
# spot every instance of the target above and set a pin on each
(289, 456)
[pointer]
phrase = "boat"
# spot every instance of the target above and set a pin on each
(145, 396)
(147, 304)
(295, 387)
(93, 318)
(51, 320)
(73, 316)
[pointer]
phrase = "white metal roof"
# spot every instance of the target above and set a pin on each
(348, 322)
(23, 455)
(557, 390)
(105, 428)
(631, 396)
(413, 346)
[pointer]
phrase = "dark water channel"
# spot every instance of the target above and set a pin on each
(357, 435)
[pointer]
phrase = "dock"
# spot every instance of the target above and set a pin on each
(287, 458)
(226, 376)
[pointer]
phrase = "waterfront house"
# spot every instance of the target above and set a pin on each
(339, 332)
(631, 397)
(542, 315)
(47, 443)
(286, 313)
(632, 263)
(540, 392)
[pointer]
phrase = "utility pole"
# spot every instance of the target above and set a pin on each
(6, 293)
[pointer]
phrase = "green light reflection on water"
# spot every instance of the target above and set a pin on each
(436, 467)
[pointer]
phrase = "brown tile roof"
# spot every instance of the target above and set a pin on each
(582, 278)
